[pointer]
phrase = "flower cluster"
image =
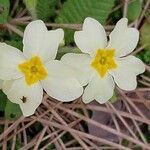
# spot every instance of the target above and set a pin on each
(101, 65)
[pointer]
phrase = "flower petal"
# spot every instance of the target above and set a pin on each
(123, 39)
(10, 58)
(92, 37)
(7, 85)
(99, 89)
(61, 83)
(39, 41)
(28, 97)
(80, 63)
(125, 74)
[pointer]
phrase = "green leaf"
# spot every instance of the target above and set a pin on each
(113, 98)
(45, 9)
(149, 128)
(145, 56)
(145, 36)
(65, 50)
(14, 43)
(134, 9)
(3, 100)
(4, 11)
(138, 148)
(12, 111)
(75, 11)
(19, 143)
(125, 142)
(40, 9)
(31, 6)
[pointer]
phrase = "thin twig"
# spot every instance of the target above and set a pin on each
(125, 8)
(14, 29)
(143, 13)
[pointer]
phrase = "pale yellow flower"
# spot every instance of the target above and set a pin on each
(103, 63)
(26, 74)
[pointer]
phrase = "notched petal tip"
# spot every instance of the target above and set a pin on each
(36, 22)
(98, 89)
(141, 66)
(26, 112)
(60, 33)
(89, 21)
(122, 22)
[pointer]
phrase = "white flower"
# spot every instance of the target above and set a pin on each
(27, 73)
(103, 63)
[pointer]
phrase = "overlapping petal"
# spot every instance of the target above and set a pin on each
(80, 63)
(61, 83)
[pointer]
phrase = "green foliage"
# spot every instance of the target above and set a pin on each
(65, 50)
(41, 9)
(50, 147)
(75, 11)
(4, 11)
(125, 142)
(145, 36)
(19, 144)
(12, 111)
(15, 41)
(113, 98)
(45, 9)
(31, 6)
(134, 9)
(138, 148)
(145, 56)
(3, 100)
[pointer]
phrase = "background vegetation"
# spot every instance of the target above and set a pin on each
(123, 123)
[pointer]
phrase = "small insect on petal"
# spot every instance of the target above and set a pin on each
(24, 99)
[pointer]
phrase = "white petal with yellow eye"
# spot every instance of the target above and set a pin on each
(92, 36)
(80, 63)
(32, 95)
(99, 89)
(123, 39)
(125, 74)
(61, 84)
(38, 41)
(10, 58)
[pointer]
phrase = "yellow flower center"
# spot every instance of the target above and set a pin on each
(104, 61)
(33, 70)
